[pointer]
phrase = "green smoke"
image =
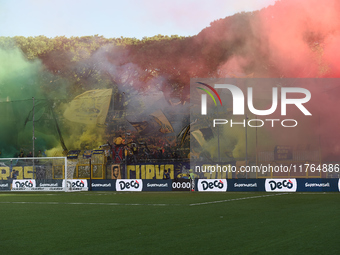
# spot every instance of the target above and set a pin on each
(20, 81)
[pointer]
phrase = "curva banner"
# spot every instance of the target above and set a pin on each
(280, 185)
(212, 185)
(129, 185)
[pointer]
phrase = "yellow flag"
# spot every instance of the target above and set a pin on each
(91, 107)
(198, 136)
(163, 122)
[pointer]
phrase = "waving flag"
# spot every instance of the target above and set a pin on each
(163, 122)
(90, 107)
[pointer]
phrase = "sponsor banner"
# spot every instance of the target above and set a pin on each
(103, 185)
(181, 185)
(246, 185)
(157, 185)
(5, 185)
(280, 185)
(24, 185)
(77, 184)
(212, 185)
(49, 185)
(322, 185)
(129, 185)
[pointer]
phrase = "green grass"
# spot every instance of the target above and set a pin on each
(168, 223)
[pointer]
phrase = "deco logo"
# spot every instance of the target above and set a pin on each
(212, 185)
(129, 185)
(76, 184)
(24, 184)
(280, 185)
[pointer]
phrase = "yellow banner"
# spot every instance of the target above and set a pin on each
(151, 171)
(23, 172)
(90, 107)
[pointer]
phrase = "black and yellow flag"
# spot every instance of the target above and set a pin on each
(90, 107)
(139, 126)
(202, 135)
(163, 122)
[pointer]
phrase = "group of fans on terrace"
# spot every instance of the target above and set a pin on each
(138, 151)
(132, 150)
(21, 154)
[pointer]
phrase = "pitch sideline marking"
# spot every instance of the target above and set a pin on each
(236, 199)
(122, 204)
(74, 203)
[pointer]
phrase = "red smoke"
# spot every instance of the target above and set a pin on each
(292, 39)
(303, 38)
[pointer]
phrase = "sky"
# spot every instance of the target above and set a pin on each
(113, 19)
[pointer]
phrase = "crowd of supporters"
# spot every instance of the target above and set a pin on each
(134, 149)
(22, 154)
(131, 148)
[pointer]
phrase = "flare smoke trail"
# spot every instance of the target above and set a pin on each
(20, 80)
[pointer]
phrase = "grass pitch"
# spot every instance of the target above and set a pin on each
(169, 223)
